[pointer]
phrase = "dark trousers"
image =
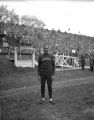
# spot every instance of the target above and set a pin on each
(47, 78)
(91, 67)
(83, 66)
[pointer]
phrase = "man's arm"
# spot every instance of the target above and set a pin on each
(53, 65)
(39, 62)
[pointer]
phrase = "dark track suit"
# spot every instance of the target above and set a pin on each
(91, 60)
(82, 61)
(46, 68)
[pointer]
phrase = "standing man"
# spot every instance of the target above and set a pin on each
(91, 61)
(82, 61)
(46, 71)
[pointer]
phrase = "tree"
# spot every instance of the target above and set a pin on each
(8, 16)
(14, 19)
(32, 21)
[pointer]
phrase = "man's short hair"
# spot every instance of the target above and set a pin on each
(46, 47)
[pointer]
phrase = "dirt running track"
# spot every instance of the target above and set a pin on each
(35, 88)
(21, 103)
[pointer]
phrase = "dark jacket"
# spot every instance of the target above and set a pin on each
(46, 64)
(82, 59)
(91, 59)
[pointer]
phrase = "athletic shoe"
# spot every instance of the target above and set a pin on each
(42, 101)
(52, 102)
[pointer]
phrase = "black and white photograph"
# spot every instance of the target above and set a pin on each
(46, 60)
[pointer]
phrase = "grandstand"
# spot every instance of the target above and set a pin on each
(61, 42)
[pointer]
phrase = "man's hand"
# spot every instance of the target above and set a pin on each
(53, 77)
(39, 78)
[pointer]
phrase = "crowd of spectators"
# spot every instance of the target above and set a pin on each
(63, 42)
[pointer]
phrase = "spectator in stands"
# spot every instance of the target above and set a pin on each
(82, 59)
(46, 71)
(91, 61)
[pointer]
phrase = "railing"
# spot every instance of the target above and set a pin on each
(66, 61)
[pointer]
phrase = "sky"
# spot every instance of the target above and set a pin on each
(58, 14)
